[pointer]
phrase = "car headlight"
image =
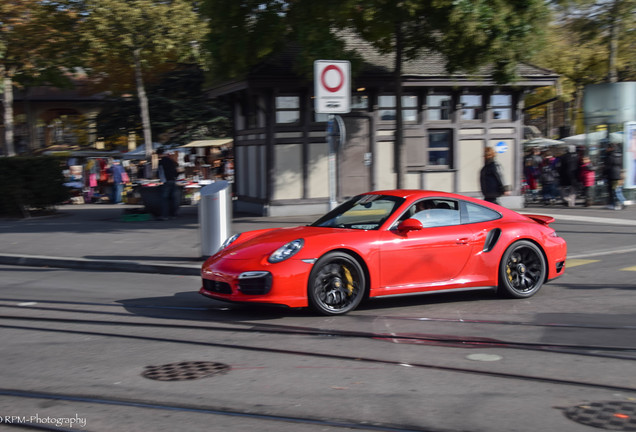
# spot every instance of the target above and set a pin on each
(228, 241)
(286, 251)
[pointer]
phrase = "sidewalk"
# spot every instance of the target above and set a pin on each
(96, 237)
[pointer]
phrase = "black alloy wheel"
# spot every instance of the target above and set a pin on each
(522, 270)
(336, 284)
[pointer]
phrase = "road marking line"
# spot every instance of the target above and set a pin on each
(629, 269)
(578, 262)
(601, 253)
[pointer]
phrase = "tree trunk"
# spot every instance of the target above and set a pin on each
(400, 151)
(143, 104)
(612, 75)
(7, 103)
(31, 122)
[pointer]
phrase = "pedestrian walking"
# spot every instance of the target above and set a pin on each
(491, 179)
(613, 175)
(569, 164)
(168, 173)
(549, 179)
(117, 176)
(532, 172)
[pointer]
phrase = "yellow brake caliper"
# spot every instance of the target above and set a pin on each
(509, 270)
(349, 279)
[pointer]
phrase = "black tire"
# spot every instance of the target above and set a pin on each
(336, 284)
(522, 270)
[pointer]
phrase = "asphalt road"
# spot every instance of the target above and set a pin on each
(76, 345)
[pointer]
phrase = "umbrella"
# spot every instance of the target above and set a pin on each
(542, 142)
(582, 139)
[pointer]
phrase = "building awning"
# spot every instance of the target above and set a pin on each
(209, 143)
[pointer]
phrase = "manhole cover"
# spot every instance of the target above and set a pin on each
(184, 371)
(613, 415)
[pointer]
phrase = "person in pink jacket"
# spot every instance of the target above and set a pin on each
(587, 178)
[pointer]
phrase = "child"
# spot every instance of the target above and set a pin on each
(588, 178)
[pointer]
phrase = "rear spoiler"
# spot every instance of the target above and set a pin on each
(543, 220)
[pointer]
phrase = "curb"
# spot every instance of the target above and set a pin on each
(102, 265)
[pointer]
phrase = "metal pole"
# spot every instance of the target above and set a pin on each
(332, 163)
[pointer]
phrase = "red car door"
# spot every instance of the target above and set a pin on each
(423, 260)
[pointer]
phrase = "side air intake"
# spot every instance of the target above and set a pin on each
(491, 239)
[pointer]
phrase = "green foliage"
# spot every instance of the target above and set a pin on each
(583, 37)
(38, 39)
(469, 33)
(38, 43)
(161, 30)
(501, 33)
(242, 32)
(28, 183)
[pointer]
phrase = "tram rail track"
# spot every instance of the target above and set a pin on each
(115, 321)
(281, 351)
(207, 410)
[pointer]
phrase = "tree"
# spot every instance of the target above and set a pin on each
(37, 44)
(469, 33)
(182, 112)
(608, 24)
(589, 42)
(137, 36)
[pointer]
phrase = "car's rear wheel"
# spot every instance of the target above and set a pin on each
(522, 270)
(336, 284)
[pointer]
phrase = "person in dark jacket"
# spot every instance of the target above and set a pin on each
(168, 173)
(490, 177)
(116, 172)
(568, 173)
(549, 179)
(613, 175)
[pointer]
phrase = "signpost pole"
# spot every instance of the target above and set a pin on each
(331, 141)
(332, 88)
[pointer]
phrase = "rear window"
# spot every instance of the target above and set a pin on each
(476, 213)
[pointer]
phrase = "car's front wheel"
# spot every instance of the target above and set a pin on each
(336, 284)
(522, 270)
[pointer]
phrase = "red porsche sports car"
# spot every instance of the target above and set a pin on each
(388, 243)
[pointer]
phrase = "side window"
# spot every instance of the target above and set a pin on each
(440, 145)
(439, 107)
(476, 213)
(287, 109)
(501, 106)
(471, 107)
(387, 106)
(437, 212)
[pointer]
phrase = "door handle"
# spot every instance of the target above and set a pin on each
(462, 241)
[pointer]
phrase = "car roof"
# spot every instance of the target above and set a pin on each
(416, 193)
(411, 195)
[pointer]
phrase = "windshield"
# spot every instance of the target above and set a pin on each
(364, 212)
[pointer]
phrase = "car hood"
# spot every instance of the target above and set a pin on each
(262, 243)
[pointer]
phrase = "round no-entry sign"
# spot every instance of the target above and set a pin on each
(332, 78)
(332, 86)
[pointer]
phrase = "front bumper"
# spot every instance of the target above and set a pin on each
(252, 282)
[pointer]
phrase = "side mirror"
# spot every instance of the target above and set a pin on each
(410, 225)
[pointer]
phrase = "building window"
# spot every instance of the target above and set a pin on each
(472, 108)
(501, 105)
(438, 107)
(360, 101)
(386, 106)
(440, 145)
(287, 109)
(252, 111)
